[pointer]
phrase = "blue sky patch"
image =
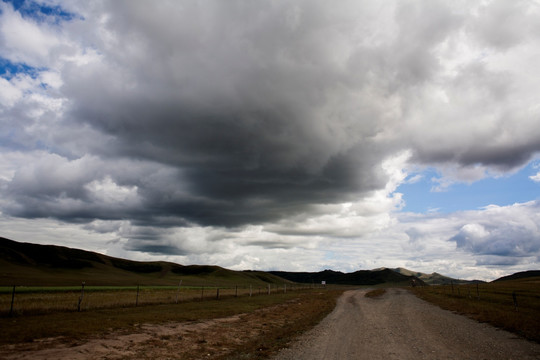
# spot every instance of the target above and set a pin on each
(502, 191)
(10, 69)
(41, 12)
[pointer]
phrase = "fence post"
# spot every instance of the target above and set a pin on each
(250, 290)
(178, 291)
(514, 297)
(236, 291)
(217, 294)
(12, 300)
(81, 297)
(477, 292)
(284, 288)
(137, 298)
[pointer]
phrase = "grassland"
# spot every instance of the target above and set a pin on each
(511, 305)
(44, 300)
(304, 308)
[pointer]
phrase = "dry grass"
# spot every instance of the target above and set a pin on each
(493, 303)
(283, 325)
(304, 309)
(375, 293)
(44, 300)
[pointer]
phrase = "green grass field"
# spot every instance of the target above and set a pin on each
(493, 303)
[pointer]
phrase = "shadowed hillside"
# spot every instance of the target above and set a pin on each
(520, 275)
(50, 265)
(361, 277)
(435, 278)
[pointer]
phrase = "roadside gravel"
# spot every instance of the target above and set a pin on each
(398, 325)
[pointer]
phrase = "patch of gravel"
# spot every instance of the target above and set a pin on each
(398, 325)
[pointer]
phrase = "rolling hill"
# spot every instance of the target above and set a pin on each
(50, 265)
(434, 278)
(520, 276)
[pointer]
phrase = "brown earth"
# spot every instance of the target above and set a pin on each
(396, 325)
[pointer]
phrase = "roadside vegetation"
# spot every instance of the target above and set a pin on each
(511, 305)
(292, 313)
(375, 293)
(29, 300)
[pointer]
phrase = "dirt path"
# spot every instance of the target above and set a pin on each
(398, 325)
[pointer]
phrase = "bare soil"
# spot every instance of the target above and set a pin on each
(398, 325)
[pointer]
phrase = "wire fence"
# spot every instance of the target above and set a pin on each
(513, 306)
(516, 296)
(22, 300)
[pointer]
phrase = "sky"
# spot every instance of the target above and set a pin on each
(275, 135)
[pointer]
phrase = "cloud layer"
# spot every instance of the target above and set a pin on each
(272, 126)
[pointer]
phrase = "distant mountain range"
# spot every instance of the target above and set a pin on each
(50, 265)
(435, 278)
(372, 277)
(361, 277)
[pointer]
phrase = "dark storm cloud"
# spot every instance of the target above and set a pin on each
(235, 113)
(258, 116)
(143, 239)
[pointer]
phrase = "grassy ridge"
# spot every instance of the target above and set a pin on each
(493, 303)
(106, 275)
(49, 265)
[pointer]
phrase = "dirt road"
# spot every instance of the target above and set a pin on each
(398, 325)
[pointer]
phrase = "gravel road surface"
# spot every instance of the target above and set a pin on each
(398, 325)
